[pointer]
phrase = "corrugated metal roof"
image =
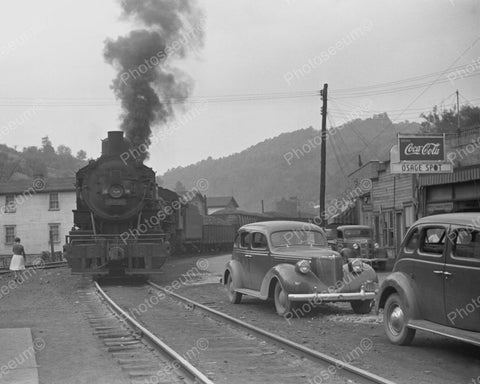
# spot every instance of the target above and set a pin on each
(60, 184)
(459, 175)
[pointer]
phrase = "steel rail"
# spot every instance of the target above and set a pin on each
(195, 374)
(54, 264)
(308, 352)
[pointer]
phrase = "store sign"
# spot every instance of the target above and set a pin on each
(421, 148)
(421, 167)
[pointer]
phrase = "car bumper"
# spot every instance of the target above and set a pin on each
(322, 297)
(367, 260)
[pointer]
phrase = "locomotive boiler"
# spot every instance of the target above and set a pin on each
(116, 196)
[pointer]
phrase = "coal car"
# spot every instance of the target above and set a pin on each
(116, 226)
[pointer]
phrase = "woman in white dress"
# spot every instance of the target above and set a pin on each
(18, 259)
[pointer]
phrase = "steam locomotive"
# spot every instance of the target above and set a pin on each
(115, 198)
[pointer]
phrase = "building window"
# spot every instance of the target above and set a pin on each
(10, 206)
(54, 233)
(388, 220)
(9, 234)
(53, 205)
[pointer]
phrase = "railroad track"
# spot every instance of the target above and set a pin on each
(142, 356)
(234, 351)
(54, 264)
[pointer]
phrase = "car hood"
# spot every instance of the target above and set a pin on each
(303, 252)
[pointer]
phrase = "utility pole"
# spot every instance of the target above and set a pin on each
(323, 148)
(458, 115)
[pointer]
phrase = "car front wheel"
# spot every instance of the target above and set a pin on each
(362, 307)
(233, 296)
(395, 321)
(282, 304)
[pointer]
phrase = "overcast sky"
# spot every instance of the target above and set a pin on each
(51, 53)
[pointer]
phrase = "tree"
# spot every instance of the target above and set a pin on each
(81, 155)
(63, 150)
(447, 120)
(180, 188)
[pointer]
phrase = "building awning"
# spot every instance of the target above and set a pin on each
(459, 175)
(347, 216)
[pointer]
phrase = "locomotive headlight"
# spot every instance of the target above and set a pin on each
(116, 191)
(303, 266)
(355, 246)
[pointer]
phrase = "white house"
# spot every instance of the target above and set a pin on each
(36, 210)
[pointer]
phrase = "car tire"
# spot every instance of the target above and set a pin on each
(395, 322)
(233, 296)
(282, 304)
(362, 307)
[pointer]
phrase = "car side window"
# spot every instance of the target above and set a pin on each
(244, 240)
(433, 240)
(466, 243)
(259, 241)
(339, 234)
(411, 244)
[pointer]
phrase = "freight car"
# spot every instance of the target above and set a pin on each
(115, 200)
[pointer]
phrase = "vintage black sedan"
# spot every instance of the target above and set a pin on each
(435, 286)
(291, 262)
(356, 241)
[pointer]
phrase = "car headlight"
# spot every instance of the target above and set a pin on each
(355, 246)
(357, 266)
(303, 266)
(376, 246)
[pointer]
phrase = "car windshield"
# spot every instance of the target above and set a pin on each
(298, 237)
(357, 232)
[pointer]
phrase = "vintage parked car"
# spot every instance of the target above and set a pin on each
(356, 241)
(435, 286)
(290, 262)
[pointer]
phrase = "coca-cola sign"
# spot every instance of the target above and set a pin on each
(421, 148)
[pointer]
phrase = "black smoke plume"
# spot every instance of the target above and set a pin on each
(148, 84)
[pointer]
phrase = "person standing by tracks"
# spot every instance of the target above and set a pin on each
(18, 259)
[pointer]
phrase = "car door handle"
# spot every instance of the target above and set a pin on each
(438, 272)
(248, 255)
(447, 273)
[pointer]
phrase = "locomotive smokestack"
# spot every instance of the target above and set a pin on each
(114, 145)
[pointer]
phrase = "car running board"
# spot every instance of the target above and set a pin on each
(250, 292)
(443, 330)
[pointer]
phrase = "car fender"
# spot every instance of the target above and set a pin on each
(234, 268)
(352, 282)
(402, 284)
(290, 280)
